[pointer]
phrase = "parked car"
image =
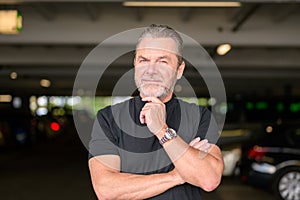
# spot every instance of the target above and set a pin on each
(230, 144)
(231, 156)
(273, 161)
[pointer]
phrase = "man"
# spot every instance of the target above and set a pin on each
(152, 146)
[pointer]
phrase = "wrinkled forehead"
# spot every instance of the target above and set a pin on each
(157, 44)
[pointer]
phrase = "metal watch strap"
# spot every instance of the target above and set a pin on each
(169, 134)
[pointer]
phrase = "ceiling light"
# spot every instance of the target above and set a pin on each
(179, 4)
(45, 83)
(10, 21)
(5, 98)
(223, 49)
(17, 102)
(13, 75)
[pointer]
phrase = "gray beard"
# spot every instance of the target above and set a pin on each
(164, 94)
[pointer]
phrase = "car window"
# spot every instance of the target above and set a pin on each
(293, 137)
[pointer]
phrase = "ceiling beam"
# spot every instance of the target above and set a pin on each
(48, 12)
(92, 11)
(139, 14)
(285, 12)
(244, 17)
(186, 14)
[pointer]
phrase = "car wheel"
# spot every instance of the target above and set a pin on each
(287, 184)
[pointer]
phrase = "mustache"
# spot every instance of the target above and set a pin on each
(152, 78)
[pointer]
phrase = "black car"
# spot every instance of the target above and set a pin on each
(273, 161)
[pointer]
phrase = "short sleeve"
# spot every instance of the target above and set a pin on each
(208, 127)
(103, 141)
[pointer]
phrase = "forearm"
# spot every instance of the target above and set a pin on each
(117, 185)
(196, 167)
(129, 186)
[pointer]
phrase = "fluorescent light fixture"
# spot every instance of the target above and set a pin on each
(223, 49)
(180, 4)
(5, 98)
(10, 21)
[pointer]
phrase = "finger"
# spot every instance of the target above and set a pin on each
(147, 106)
(205, 147)
(200, 144)
(194, 141)
(203, 142)
(142, 117)
(208, 145)
(152, 99)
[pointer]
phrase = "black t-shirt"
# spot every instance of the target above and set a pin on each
(118, 131)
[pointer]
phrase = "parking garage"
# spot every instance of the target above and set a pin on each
(63, 60)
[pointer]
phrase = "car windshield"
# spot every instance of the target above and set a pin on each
(282, 137)
(293, 137)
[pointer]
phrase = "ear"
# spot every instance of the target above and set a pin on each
(180, 70)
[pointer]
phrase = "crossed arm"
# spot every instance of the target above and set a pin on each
(198, 163)
(194, 166)
(110, 183)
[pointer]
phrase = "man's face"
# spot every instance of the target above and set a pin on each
(156, 67)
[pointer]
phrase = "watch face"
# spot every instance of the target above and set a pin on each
(170, 133)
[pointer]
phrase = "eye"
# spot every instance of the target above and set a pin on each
(143, 61)
(163, 61)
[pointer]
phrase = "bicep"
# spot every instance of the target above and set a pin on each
(103, 139)
(101, 169)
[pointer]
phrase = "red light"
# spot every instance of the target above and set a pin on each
(256, 153)
(55, 126)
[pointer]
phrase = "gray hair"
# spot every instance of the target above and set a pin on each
(164, 31)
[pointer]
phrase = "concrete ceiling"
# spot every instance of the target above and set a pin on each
(58, 35)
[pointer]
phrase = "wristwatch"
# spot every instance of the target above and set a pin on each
(169, 135)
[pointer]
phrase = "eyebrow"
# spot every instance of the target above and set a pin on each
(164, 57)
(160, 57)
(142, 57)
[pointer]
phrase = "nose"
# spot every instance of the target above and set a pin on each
(151, 68)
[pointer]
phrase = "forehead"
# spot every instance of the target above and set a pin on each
(154, 46)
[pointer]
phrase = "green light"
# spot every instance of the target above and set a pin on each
(295, 107)
(19, 22)
(249, 105)
(261, 105)
(203, 101)
(280, 107)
